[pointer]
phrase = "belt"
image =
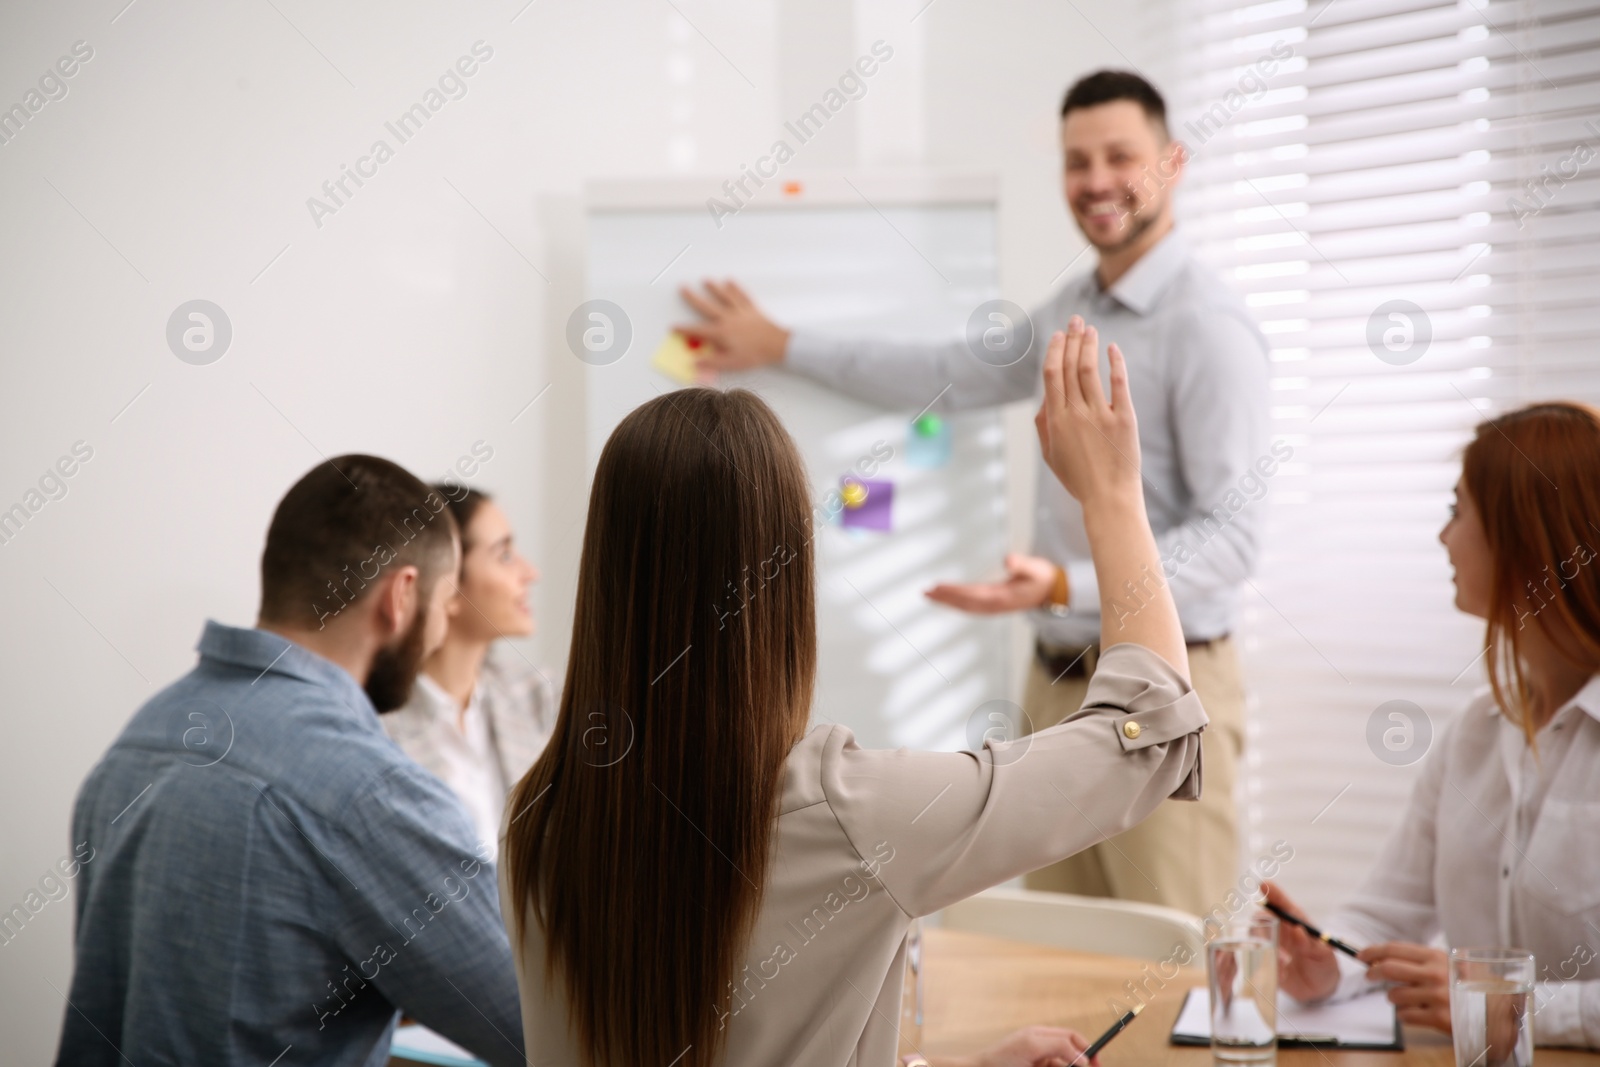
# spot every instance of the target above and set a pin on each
(1074, 661)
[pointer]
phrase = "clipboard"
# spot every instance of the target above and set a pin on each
(1364, 1023)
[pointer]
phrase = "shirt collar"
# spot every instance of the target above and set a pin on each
(265, 652)
(1140, 288)
(1586, 700)
(441, 703)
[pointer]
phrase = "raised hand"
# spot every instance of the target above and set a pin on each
(1090, 443)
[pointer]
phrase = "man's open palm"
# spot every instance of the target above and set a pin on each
(1027, 585)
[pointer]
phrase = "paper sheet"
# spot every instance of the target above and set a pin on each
(416, 1042)
(1363, 1020)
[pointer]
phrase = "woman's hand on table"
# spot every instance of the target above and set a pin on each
(1307, 968)
(1032, 1046)
(1419, 978)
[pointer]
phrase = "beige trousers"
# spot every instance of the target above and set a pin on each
(1186, 854)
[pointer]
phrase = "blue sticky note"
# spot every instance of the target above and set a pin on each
(928, 442)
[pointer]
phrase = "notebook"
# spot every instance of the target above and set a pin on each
(418, 1044)
(1364, 1022)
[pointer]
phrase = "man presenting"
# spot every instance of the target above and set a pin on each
(1198, 370)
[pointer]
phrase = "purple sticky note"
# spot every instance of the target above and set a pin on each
(873, 513)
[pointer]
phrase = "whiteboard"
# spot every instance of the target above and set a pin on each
(902, 257)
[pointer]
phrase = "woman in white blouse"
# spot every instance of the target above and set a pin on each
(689, 875)
(480, 712)
(1501, 843)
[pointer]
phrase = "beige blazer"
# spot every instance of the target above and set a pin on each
(869, 839)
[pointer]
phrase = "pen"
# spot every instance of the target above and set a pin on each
(1329, 939)
(1104, 1039)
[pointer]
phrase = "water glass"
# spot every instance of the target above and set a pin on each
(1242, 972)
(911, 992)
(1491, 1006)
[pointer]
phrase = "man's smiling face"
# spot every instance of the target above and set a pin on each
(1119, 170)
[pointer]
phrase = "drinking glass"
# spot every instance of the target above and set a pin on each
(1491, 1006)
(1242, 972)
(911, 992)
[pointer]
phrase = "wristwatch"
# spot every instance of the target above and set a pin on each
(1057, 604)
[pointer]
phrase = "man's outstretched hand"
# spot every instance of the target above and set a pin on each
(1027, 585)
(732, 333)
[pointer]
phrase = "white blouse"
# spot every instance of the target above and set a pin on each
(483, 751)
(1500, 847)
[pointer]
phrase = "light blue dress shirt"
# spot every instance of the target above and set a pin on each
(273, 878)
(1198, 372)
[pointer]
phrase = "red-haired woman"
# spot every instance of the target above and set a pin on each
(1501, 845)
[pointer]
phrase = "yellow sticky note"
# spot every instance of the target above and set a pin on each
(675, 359)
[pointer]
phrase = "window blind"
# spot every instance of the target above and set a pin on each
(1407, 194)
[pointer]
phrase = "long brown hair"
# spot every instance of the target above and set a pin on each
(1534, 474)
(640, 839)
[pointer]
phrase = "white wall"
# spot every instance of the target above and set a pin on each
(412, 323)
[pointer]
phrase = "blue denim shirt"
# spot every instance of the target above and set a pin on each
(273, 878)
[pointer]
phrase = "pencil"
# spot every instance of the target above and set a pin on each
(1105, 1039)
(1328, 939)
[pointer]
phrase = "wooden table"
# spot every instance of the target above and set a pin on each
(977, 989)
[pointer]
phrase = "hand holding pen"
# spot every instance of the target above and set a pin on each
(1087, 1056)
(1307, 968)
(1327, 939)
(1417, 977)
